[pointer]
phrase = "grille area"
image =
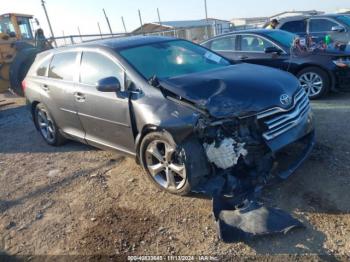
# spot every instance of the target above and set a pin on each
(278, 120)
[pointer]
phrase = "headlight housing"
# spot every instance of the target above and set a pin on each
(342, 62)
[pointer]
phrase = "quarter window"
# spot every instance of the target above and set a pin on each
(63, 66)
(42, 69)
(251, 43)
(224, 44)
(321, 25)
(294, 26)
(95, 67)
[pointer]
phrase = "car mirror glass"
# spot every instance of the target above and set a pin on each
(108, 84)
(272, 50)
(338, 29)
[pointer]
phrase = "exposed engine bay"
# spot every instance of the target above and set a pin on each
(241, 165)
(236, 151)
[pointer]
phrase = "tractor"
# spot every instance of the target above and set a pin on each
(17, 50)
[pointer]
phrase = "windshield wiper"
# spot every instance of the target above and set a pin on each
(154, 81)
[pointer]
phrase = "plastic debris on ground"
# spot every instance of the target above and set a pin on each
(236, 223)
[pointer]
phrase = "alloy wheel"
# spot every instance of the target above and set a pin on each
(165, 166)
(312, 83)
(46, 125)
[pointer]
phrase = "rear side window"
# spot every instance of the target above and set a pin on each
(63, 66)
(224, 44)
(95, 66)
(42, 69)
(321, 25)
(252, 43)
(294, 26)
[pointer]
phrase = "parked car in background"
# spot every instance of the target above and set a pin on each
(184, 112)
(337, 26)
(318, 71)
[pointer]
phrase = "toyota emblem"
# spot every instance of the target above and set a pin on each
(286, 100)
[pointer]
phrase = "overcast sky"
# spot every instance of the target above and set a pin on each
(67, 15)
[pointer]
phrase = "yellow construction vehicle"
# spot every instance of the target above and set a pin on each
(17, 50)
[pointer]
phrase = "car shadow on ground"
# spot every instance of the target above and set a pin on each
(19, 135)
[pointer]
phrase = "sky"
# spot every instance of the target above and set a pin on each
(67, 15)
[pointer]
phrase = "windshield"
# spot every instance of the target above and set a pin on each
(344, 19)
(284, 38)
(172, 58)
(24, 27)
(6, 26)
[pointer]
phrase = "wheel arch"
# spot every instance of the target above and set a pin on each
(330, 75)
(139, 137)
(33, 105)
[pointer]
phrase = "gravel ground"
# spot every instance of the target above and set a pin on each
(77, 200)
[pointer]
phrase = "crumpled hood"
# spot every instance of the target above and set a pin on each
(237, 90)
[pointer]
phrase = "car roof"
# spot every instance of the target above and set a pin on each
(302, 17)
(125, 42)
(248, 31)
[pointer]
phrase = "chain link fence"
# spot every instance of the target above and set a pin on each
(195, 34)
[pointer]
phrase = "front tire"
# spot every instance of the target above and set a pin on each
(47, 126)
(315, 81)
(171, 167)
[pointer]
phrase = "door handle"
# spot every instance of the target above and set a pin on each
(79, 97)
(45, 87)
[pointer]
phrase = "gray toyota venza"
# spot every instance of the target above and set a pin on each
(186, 114)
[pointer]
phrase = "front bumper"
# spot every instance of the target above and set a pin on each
(342, 78)
(305, 146)
(298, 142)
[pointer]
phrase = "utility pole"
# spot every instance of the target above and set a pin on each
(64, 38)
(206, 10)
(126, 31)
(109, 25)
(206, 18)
(141, 21)
(48, 21)
(99, 28)
(81, 39)
(160, 21)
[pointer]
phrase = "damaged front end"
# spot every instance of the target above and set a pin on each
(248, 153)
(251, 151)
(237, 154)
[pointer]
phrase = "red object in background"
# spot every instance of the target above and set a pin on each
(24, 85)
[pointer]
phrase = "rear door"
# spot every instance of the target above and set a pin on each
(58, 93)
(225, 45)
(320, 27)
(104, 116)
(251, 49)
(298, 27)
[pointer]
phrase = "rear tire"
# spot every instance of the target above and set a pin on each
(315, 81)
(47, 126)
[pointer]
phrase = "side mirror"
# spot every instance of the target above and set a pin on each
(338, 28)
(272, 50)
(108, 84)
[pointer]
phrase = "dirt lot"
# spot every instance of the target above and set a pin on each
(79, 200)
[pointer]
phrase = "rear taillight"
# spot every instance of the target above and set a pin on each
(24, 85)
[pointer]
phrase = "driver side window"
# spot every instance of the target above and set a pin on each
(95, 66)
(252, 43)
